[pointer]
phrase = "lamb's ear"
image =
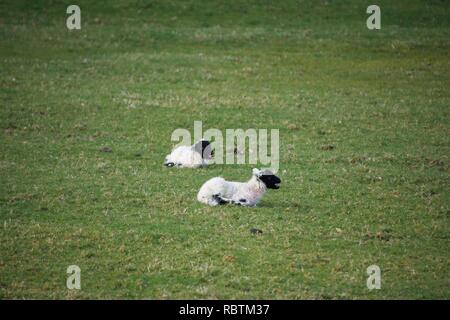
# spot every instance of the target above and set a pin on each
(256, 172)
(198, 146)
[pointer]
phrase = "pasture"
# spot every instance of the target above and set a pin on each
(86, 118)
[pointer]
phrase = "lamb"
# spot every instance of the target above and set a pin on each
(218, 191)
(194, 156)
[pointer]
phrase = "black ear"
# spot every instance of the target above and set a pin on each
(204, 148)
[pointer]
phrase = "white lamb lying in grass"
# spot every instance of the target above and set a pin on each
(218, 191)
(194, 156)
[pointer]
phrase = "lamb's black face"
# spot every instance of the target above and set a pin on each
(270, 180)
(204, 148)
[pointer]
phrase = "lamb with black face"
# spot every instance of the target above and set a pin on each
(270, 180)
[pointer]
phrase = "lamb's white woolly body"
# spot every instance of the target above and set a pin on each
(243, 193)
(187, 157)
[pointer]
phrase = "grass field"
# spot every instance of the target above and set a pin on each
(364, 122)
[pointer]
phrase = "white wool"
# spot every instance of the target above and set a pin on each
(186, 157)
(251, 191)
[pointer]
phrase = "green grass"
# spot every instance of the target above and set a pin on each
(137, 70)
